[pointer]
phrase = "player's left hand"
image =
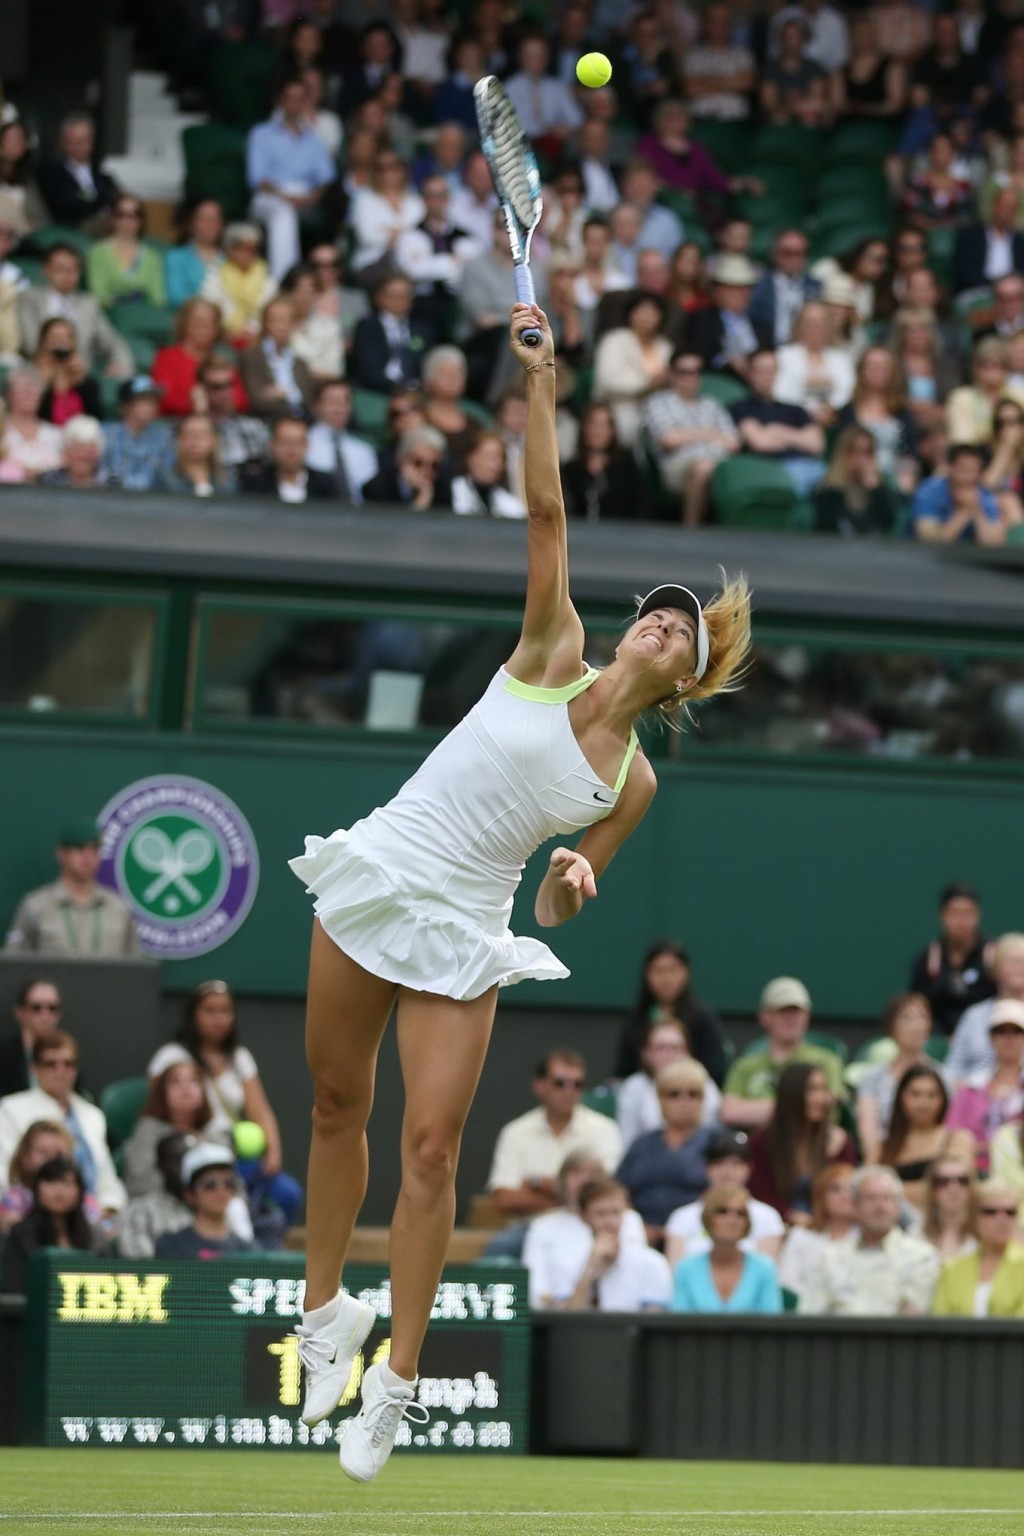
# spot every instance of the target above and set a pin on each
(527, 317)
(573, 872)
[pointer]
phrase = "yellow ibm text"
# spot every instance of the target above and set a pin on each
(112, 1298)
(289, 1371)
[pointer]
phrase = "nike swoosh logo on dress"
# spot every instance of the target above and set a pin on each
(598, 796)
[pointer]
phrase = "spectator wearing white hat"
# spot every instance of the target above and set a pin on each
(728, 334)
(784, 1014)
(989, 1100)
(210, 1184)
(970, 1050)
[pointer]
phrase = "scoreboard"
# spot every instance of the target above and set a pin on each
(202, 1353)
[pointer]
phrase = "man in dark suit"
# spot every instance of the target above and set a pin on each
(986, 252)
(416, 479)
(389, 346)
(726, 336)
(781, 293)
(286, 476)
(75, 190)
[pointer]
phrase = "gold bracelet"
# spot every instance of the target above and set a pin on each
(547, 363)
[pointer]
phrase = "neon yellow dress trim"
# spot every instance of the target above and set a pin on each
(563, 695)
(551, 695)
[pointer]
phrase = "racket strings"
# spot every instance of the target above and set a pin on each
(509, 157)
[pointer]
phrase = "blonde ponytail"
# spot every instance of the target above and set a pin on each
(727, 617)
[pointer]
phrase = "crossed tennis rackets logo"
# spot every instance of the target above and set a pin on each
(173, 861)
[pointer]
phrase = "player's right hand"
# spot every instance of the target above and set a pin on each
(526, 317)
(573, 872)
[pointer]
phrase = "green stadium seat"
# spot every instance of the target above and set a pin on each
(720, 387)
(787, 143)
(60, 234)
(145, 322)
(866, 143)
(837, 239)
(848, 208)
(855, 175)
(751, 492)
(122, 1103)
(370, 410)
(215, 166)
(1015, 535)
(602, 1098)
(829, 1042)
(240, 83)
(108, 396)
(938, 1045)
(728, 143)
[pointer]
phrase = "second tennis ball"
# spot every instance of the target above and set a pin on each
(593, 69)
(250, 1142)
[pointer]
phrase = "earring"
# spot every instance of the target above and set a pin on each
(679, 688)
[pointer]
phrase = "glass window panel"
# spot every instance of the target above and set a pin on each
(382, 672)
(70, 655)
(891, 704)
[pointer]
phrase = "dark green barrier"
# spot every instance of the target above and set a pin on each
(901, 1391)
(196, 1354)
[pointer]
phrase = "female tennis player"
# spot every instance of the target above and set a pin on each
(413, 904)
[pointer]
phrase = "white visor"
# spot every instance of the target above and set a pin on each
(681, 597)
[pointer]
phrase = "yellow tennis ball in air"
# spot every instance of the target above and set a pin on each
(250, 1141)
(593, 69)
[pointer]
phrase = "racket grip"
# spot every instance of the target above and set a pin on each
(525, 294)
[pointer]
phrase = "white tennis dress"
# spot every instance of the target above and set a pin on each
(420, 891)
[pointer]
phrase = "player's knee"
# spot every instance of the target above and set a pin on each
(430, 1155)
(338, 1108)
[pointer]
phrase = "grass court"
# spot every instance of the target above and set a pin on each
(253, 1493)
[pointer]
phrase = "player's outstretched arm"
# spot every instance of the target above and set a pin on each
(550, 649)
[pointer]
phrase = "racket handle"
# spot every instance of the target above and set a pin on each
(526, 295)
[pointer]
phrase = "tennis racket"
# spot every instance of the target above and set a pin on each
(516, 181)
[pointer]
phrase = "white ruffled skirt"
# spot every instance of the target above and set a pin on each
(412, 937)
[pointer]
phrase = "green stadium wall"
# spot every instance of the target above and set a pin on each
(761, 868)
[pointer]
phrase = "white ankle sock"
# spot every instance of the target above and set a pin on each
(391, 1379)
(321, 1316)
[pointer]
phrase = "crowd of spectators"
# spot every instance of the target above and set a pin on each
(888, 1186)
(784, 241)
(696, 1178)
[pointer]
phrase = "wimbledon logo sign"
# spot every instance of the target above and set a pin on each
(183, 857)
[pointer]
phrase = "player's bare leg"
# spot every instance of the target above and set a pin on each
(442, 1045)
(347, 1010)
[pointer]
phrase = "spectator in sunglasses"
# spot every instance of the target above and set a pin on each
(949, 1207)
(530, 1150)
(417, 480)
(210, 1184)
(667, 1168)
(55, 1068)
(990, 1281)
(333, 297)
(37, 1013)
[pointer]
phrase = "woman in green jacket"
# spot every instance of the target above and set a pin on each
(123, 267)
(989, 1282)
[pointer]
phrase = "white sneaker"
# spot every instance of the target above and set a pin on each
(369, 1438)
(328, 1354)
